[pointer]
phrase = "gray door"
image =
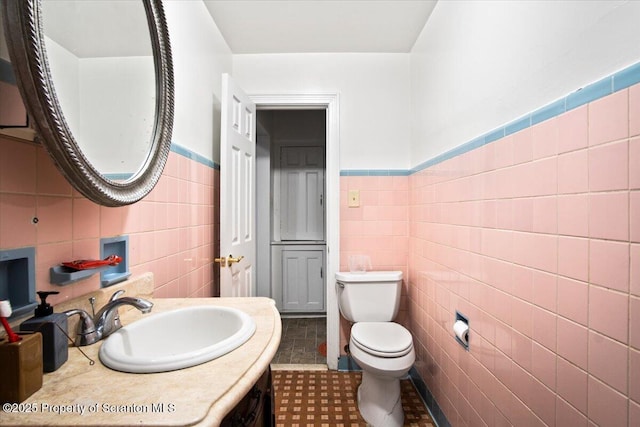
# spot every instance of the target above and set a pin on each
(302, 193)
(303, 282)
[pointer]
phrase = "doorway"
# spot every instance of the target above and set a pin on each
(291, 243)
(317, 247)
(290, 210)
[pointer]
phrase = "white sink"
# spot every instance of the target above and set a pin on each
(176, 339)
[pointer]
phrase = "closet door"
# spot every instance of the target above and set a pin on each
(302, 193)
(302, 280)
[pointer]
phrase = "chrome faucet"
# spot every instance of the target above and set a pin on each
(106, 321)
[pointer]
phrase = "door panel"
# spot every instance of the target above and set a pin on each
(302, 280)
(302, 193)
(237, 192)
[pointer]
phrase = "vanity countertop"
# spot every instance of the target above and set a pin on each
(82, 394)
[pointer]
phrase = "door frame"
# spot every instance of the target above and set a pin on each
(330, 103)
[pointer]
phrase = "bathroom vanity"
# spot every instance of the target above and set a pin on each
(210, 394)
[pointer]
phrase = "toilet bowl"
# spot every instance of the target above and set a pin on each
(384, 351)
(382, 348)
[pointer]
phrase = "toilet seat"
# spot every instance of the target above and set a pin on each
(382, 339)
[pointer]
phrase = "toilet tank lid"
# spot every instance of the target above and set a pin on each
(368, 276)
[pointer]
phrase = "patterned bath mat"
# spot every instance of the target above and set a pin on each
(329, 398)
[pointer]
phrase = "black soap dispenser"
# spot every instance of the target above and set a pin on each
(53, 327)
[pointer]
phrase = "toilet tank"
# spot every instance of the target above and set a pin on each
(373, 296)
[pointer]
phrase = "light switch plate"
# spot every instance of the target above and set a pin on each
(354, 198)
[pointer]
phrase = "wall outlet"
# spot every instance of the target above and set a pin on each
(354, 198)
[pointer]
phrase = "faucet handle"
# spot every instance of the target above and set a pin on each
(86, 331)
(116, 295)
(116, 316)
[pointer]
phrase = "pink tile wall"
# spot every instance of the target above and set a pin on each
(379, 227)
(172, 232)
(536, 238)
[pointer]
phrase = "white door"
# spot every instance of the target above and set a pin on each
(237, 192)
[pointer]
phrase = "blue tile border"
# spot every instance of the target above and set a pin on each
(374, 172)
(616, 82)
(118, 176)
(494, 136)
(178, 149)
(626, 78)
(434, 409)
(347, 364)
(548, 111)
(589, 93)
(517, 125)
(185, 152)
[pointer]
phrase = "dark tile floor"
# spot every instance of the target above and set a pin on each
(300, 342)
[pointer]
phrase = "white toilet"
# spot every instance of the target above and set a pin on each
(382, 348)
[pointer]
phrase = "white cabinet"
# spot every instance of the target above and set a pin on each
(298, 278)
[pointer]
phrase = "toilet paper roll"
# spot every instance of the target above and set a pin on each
(461, 329)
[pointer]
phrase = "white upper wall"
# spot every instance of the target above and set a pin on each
(200, 57)
(374, 93)
(480, 64)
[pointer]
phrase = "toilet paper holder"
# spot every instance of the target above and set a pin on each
(461, 330)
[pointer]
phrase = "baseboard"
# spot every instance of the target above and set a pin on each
(347, 364)
(434, 409)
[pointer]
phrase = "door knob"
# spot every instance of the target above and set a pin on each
(231, 259)
(224, 261)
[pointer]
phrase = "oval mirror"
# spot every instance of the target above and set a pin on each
(97, 80)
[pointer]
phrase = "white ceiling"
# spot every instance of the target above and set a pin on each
(248, 26)
(296, 26)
